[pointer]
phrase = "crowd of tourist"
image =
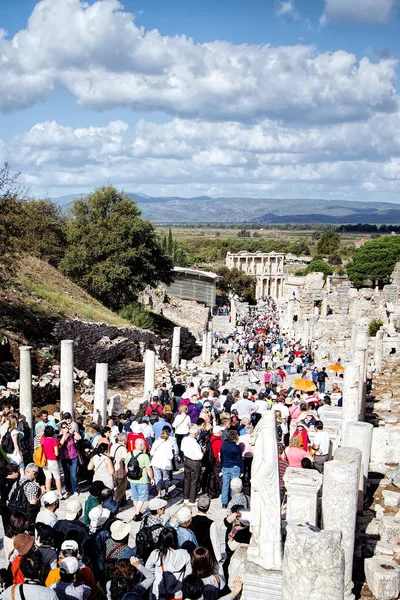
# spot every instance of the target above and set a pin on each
(86, 550)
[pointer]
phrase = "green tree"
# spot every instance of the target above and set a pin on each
(374, 261)
(170, 243)
(11, 206)
(328, 243)
(335, 259)
(113, 253)
(299, 248)
(243, 233)
(43, 230)
(234, 281)
(138, 315)
(318, 266)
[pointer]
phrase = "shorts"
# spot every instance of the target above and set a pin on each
(52, 470)
(139, 492)
(13, 460)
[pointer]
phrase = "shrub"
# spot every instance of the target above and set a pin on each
(374, 327)
(138, 316)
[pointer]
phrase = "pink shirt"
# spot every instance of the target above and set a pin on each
(48, 445)
(267, 377)
(295, 456)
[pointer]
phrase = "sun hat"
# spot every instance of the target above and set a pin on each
(98, 516)
(70, 545)
(73, 507)
(50, 498)
(156, 503)
(69, 565)
(119, 530)
(23, 543)
(184, 515)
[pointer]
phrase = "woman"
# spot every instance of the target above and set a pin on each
(295, 453)
(18, 523)
(15, 456)
(231, 463)
(106, 437)
(68, 441)
(194, 409)
(301, 433)
(169, 565)
(7, 479)
(203, 567)
(102, 466)
(161, 460)
(52, 452)
(181, 425)
(140, 578)
(169, 415)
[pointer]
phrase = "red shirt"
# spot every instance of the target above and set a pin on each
(48, 445)
(132, 437)
(216, 444)
(153, 406)
(16, 572)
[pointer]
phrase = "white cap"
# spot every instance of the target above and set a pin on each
(69, 565)
(73, 507)
(50, 498)
(156, 503)
(70, 545)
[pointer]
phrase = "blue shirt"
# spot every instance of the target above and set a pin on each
(49, 422)
(159, 426)
(185, 535)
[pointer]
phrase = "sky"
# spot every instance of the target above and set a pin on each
(257, 98)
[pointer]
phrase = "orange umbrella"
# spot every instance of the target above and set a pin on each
(336, 368)
(304, 385)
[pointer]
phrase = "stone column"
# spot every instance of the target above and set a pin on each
(306, 332)
(378, 358)
(204, 348)
(313, 564)
(100, 394)
(350, 392)
(349, 456)
(25, 386)
(209, 347)
(359, 435)
(302, 487)
(149, 374)
(176, 347)
(361, 356)
(328, 284)
(67, 377)
(339, 511)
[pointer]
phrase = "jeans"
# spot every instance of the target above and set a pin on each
(70, 468)
(321, 386)
(228, 473)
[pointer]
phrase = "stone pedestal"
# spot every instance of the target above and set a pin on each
(350, 392)
(258, 583)
(353, 456)
(67, 377)
(339, 511)
(176, 347)
(149, 374)
(359, 435)
(302, 487)
(100, 394)
(313, 564)
(115, 407)
(383, 577)
(204, 348)
(378, 357)
(25, 386)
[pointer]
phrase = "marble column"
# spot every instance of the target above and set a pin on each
(67, 377)
(306, 332)
(25, 386)
(149, 374)
(204, 348)
(302, 487)
(378, 357)
(354, 331)
(328, 284)
(350, 392)
(289, 315)
(100, 394)
(313, 564)
(359, 435)
(176, 347)
(361, 356)
(209, 347)
(339, 511)
(349, 456)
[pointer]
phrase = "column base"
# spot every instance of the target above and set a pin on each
(258, 583)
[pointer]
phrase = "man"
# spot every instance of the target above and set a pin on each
(124, 423)
(178, 389)
(45, 420)
(159, 426)
(154, 410)
(193, 455)
(320, 446)
(140, 487)
(69, 587)
(119, 453)
(29, 501)
(247, 452)
(163, 394)
(244, 407)
(238, 497)
(321, 380)
(85, 574)
(51, 503)
(71, 424)
(186, 537)
(71, 525)
(155, 518)
(31, 568)
(225, 427)
(205, 528)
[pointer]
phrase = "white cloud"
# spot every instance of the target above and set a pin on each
(358, 11)
(285, 8)
(105, 60)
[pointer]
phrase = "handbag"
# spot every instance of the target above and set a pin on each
(170, 584)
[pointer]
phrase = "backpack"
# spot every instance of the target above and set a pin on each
(134, 469)
(145, 543)
(208, 456)
(153, 418)
(7, 443)
(321, 376)
(39, 457)
(164, 397)
(18, 502)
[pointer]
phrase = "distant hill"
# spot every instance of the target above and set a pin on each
(204, 209)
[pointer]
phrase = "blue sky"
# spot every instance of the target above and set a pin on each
(90, 95)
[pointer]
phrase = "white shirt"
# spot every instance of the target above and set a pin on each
(244, 408)
(191, 449)
(47, 517)
(181, 424)
(283, 408)
(262, 406)
(322, 440)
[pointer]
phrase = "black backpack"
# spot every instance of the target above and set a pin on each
(145, 543)
(321, 376)
(134, 469)
(208, 456)
(154, 415)
(18, 502)
(7, 443)
(164, 397)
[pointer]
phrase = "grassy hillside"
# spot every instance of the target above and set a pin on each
(37, 295)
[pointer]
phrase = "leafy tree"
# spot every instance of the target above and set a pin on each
(299, 248)
(170, 243)
(318, 266)
(374, 261)
(10, 209)
(243, 233)
(43, 230)
(328, 243)
(374, 327)
(256, 234)
(234, 281)
(113, 253)
(138, 315)
(335, 259)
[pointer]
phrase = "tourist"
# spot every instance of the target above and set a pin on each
(154, 410)
(159, 426)
(45, 548)
(118, 544)
(247, 451)
(321, 446)
(192, 465)
(71, 525)
(19, 523)
(102, 465)
(321, 379)
(11, 443)
(125, 421)
(244, 407)
(136, 433)
(205, 528)
(282, 466)
(51, 450)
(178, 389)
(45, 420)
(147, 430)
(302, 434)
(71, 548)
(161, 461)
(186, 537)
(239, 498)
(33, 589)
(128, 570)
(194, 408)
(23, 545)
(51, 503)
(181, 425)
(69, 586)
(8, 477)
(155, 520)
(295, 453)
(69, 440)
(204, 567)
(215, 445)
(231, 463)
(140, 486)
(29, 501)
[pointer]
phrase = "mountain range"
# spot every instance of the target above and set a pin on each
(203, 209)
